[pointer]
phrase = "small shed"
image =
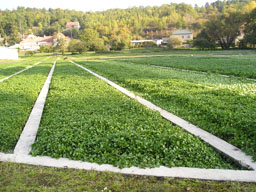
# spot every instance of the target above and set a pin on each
(6, 53)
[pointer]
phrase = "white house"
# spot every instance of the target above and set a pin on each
(158, 42)
(6, 53)
(185, 35)
(32, 42)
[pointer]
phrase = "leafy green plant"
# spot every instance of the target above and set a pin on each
(17, 97)
(85, 119)
(224, 107)
(241, 66)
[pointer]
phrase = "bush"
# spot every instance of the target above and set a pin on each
(149, 44)
(46, 49)
(29, 53)
(203, 43)
(76, 46)
(98, 45)
(174, 42)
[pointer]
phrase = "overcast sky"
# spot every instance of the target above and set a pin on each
(91, 5)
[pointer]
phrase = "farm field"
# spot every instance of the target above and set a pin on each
(158, 52)
(222, 106)
(85, 119)
(9, 67)
(240, 66)
(17, 96)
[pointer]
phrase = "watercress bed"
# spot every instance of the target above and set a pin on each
(244, 66)
(17, 97)
(85, 119)
(224, 107)
(8, 67)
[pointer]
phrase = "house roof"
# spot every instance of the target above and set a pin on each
(47, 38)
(36, 39)
(72, 24)
(181, 32)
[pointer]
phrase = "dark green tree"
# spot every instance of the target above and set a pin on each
(76, 46)
(225, 28)
(250, 29)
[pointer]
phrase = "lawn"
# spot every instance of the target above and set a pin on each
(20, 177)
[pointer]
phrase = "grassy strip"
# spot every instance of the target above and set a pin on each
(9, 67)
(19, 177)
(237, 66)
(17, 96)
(85, 119)
(161, 51)
(224, 107)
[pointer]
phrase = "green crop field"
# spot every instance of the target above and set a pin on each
(18, 95)
(8, 67)
(241, 66)
(154, 52)
(86, 119)
(223, 106)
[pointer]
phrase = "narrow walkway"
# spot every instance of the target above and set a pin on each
(227, 149)
(175, 172)
(29, 132)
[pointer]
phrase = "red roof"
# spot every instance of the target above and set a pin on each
(72, 24)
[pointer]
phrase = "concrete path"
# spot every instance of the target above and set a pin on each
(28, 136)
(176, 172)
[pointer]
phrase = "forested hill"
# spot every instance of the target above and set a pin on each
(136, 22)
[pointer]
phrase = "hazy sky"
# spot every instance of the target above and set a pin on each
(91, 5)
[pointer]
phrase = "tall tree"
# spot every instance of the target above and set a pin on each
(88, 36)
(250, 28)
(60, 42)
(225, 28)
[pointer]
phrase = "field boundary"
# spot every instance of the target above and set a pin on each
(29, 132)
(175, 172)
(27, 68)
(167, 55)
(202, 72)
(222, 146)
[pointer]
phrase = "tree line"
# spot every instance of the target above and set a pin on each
(116, 27)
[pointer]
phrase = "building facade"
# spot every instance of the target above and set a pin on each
(184, 34)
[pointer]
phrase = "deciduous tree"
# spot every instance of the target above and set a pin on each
(225, 28)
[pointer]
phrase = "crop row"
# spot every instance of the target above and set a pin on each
(85, 119)
(224, 107)
(17, 97)
(8, 67)
(238, 66)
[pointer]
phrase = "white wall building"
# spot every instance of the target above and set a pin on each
(185, 35)
(158, 42)
(6, 53)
